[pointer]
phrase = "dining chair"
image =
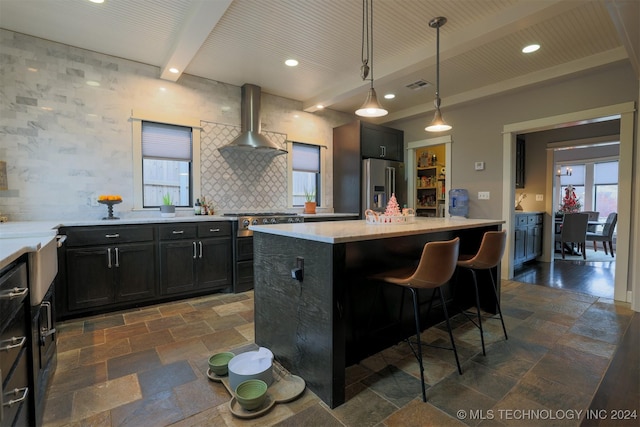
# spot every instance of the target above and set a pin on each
(488, 257)
(436, 267)
(574, 231)
(606, 235)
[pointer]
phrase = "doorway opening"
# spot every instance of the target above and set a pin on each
(625, 112)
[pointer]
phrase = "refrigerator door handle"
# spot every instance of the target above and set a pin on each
(391, 182)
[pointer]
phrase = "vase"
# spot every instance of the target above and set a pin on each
(309, 207)
(518, 207)
(167, 211)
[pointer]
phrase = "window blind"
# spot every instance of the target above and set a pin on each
(306, 158)
(162, 141)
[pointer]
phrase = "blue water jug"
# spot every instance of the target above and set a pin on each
(459, 202)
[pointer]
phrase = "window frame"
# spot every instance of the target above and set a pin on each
(321, 175)
(137, 117)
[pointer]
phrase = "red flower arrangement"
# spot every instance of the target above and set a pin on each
(570, 202)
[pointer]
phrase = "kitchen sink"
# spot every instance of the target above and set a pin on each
(43, 268)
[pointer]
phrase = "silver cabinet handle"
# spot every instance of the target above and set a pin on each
(200, 245)
(15, 342)
(117, 257)
(177, 232)
(61, 238)
(214, 230)
(112, 236)
(48, 330)
(15, 392)
(194, 251)
(109, 257)
(383, 150)
(14, 293)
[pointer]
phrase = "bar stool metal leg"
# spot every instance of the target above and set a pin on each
(495, 294)
(475, 285)
(416, 313)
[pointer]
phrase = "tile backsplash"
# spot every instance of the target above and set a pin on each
(241, 181)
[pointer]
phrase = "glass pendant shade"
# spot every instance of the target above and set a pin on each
(371, 106)
(437, 124)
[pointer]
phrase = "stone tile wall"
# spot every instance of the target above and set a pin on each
(65, 131)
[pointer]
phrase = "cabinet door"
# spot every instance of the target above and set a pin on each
(213, 265)
(520, 242)
(530, 244)
(536, 236)
(177, 272)
(90, 280)
(382, 142)
(136, 272)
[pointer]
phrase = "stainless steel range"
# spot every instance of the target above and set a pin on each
(243, 243)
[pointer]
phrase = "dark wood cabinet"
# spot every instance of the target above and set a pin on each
(353, 142)
(527, 237)
(195, 257)
(108, 267)
(381, 142)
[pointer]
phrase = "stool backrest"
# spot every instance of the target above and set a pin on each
(437, 264)
(491, 250)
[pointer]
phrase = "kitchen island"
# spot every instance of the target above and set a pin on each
(331, 316)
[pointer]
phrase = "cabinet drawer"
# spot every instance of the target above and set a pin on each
(16, 389)
(178, 231)
(214, 229)
(12, 340)
(12, 300)
(532, 219)
(521, 220)
(85, 236)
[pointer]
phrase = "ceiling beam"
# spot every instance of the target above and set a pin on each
(559, 71)
(525, 14)
(202, 19)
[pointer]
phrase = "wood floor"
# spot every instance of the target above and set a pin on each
(592, 278)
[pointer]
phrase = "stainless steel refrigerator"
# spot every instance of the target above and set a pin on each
(380, 179)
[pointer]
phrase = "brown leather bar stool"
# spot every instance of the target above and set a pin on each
(487, 257)
(436, 267)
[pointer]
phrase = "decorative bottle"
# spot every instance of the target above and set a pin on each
(197, 207)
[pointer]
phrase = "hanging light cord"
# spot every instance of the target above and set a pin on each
(367, 40)
(437, 101)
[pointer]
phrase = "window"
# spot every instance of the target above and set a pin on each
(605, 183)
(166, 164)
(595, 184)
(166, 158)
(306, 179)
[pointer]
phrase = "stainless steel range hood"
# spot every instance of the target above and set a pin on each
(251, 138)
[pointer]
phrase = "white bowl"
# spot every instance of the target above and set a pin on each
(251, 365)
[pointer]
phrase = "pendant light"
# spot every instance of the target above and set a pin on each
(438, 124)
(371, 106)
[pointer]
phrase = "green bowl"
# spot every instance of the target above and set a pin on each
(218, 362)
(251, 394)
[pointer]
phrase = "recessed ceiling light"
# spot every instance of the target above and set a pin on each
(295, 116)
(93, 83)
(319, 106)
(32, 69)
(163, 89)
(390, 96)
(97, 1)
(530, 48)
(174, 70)
(291, 62)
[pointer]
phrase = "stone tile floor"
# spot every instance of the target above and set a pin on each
(147, 367)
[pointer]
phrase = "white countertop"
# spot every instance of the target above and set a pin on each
(20, 237)
(358, 230)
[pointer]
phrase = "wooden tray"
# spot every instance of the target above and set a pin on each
(285, 388)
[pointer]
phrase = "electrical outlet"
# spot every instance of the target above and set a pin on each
(479, 166)
(539, 197)
(93, 199)
(483, 195)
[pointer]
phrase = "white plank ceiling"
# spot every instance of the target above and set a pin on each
(247, 41)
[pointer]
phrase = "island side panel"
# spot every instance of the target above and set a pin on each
(302, 322)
